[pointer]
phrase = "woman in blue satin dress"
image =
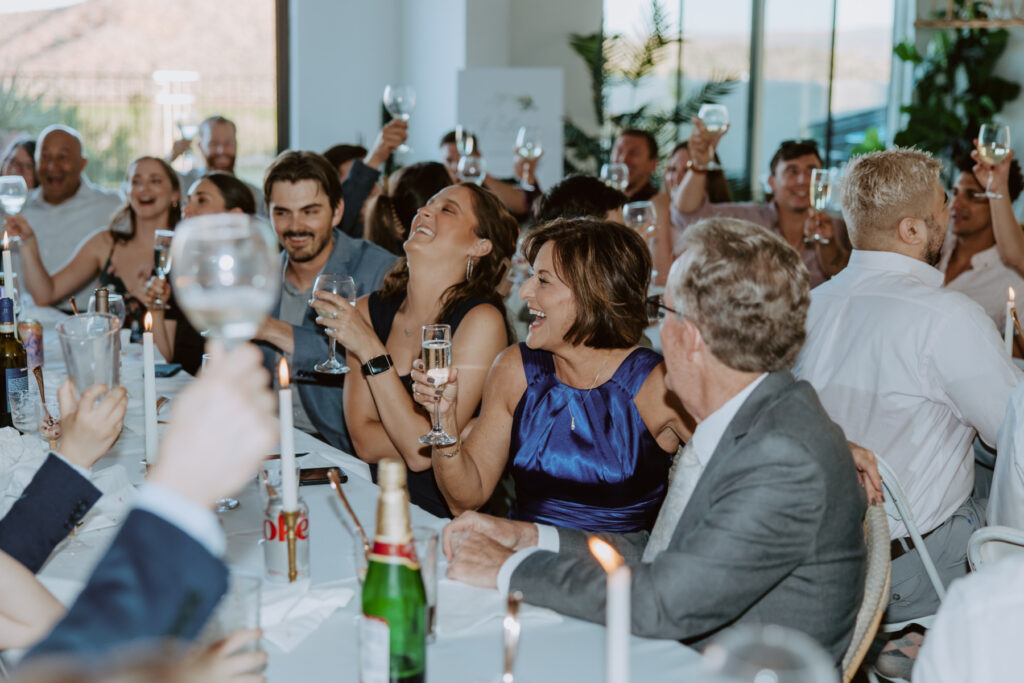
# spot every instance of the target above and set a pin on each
(579, 410)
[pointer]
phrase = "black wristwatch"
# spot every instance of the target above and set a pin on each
(377, 365)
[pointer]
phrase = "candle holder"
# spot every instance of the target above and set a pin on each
(286, 541)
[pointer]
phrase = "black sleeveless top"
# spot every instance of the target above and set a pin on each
(423, 489)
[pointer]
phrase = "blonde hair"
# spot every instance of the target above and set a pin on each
(746, 290)
(882, 188)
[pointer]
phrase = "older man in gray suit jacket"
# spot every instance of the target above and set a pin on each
(762, 520)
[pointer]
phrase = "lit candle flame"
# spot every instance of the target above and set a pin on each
(1009, 292)
(147, 322)
(5, 239)
(605, 554)
(282, 373)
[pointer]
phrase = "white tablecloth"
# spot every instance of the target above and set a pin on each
(552, 648)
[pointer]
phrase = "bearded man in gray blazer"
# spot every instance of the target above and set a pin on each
(762, 519)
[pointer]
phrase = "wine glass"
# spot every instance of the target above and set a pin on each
(615, 175)
(529, 148)
(472, 170)
(641, 216)
(768, 653)
(188, 125)
(437, 357)
(465, 141)
(226, 274)
(343, 286)
(400, 100)
(162, 258)
(715, 118)
(115, 306)
(993, 146)
(13, 193)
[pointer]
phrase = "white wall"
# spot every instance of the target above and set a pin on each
(343, 53)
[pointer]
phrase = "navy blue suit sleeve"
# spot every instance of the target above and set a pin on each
(56, 499)
(155, 582)
(354, 191)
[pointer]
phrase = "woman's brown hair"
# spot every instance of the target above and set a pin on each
(493, 223)
(607, 266)
(122, 223)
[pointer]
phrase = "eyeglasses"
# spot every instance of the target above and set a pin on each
(656, 310)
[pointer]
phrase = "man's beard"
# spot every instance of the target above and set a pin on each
(933, 249)
(315, 249)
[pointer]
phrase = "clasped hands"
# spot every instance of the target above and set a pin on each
(476, 545)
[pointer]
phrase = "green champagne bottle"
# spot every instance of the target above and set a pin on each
(13, 362)
(393, 643)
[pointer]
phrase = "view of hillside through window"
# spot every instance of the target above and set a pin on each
(126, 73)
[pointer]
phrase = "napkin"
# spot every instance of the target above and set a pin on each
(20, 457)
(289, 612)
(112, 507)
(462, 608)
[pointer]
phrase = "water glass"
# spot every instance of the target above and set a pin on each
(24, 411)
(425, 540)
(91, 348)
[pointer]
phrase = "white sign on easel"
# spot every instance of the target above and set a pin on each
(494, 102)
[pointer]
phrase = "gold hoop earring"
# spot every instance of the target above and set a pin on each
(469, 268)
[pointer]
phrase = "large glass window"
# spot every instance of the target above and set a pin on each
(125, 72)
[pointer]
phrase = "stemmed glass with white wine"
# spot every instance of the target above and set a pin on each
(162, 259)
(13, 193)
(715, 118)
(345, 287)
(993, 147)
(437, 357)
(472, 169)
(188, 125)
(400, 100)
(465, 141)
(529, 148)
(226, 275)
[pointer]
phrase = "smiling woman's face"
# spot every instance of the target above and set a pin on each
(151, 192)
(550, 300)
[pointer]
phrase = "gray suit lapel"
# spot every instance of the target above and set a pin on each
(700, 501)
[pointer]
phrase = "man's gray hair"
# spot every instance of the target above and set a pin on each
(63, 129)
(881, 189)
(746, 290)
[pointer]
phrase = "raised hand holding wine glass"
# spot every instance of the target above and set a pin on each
(993, 147)
(715, 119)
(400, 100)
(345, 287)
(528, 148)
(162, 259)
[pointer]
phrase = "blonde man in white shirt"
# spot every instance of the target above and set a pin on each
(907, 368)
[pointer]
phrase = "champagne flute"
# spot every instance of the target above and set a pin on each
(226, 274)
(821, 196)
(400, 100)
(162, 259)
(472, 170)
(343, 286)
(465, 141)
(715, 118)
(993, 147)
(529, 148)
(437, 357)
(615, 175)
(13, 193)
(188, 125)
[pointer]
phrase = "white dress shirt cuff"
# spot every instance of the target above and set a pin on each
(547, 539)
(85, 472)
(196, 521)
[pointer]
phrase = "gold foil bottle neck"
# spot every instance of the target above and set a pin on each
(391, 473)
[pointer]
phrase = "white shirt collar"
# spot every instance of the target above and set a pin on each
(890, 261)
(709, 432)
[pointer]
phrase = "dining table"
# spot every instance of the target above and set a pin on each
(324, 645)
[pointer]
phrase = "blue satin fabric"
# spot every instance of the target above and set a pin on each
(609, 474)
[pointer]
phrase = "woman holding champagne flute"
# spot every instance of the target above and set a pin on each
(457, 253)
(121, 255)
(579, 410)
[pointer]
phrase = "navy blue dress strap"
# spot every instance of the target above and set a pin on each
(536, 364)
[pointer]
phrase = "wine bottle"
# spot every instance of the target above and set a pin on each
(13, 362)
(102, 300)
(393, 629)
